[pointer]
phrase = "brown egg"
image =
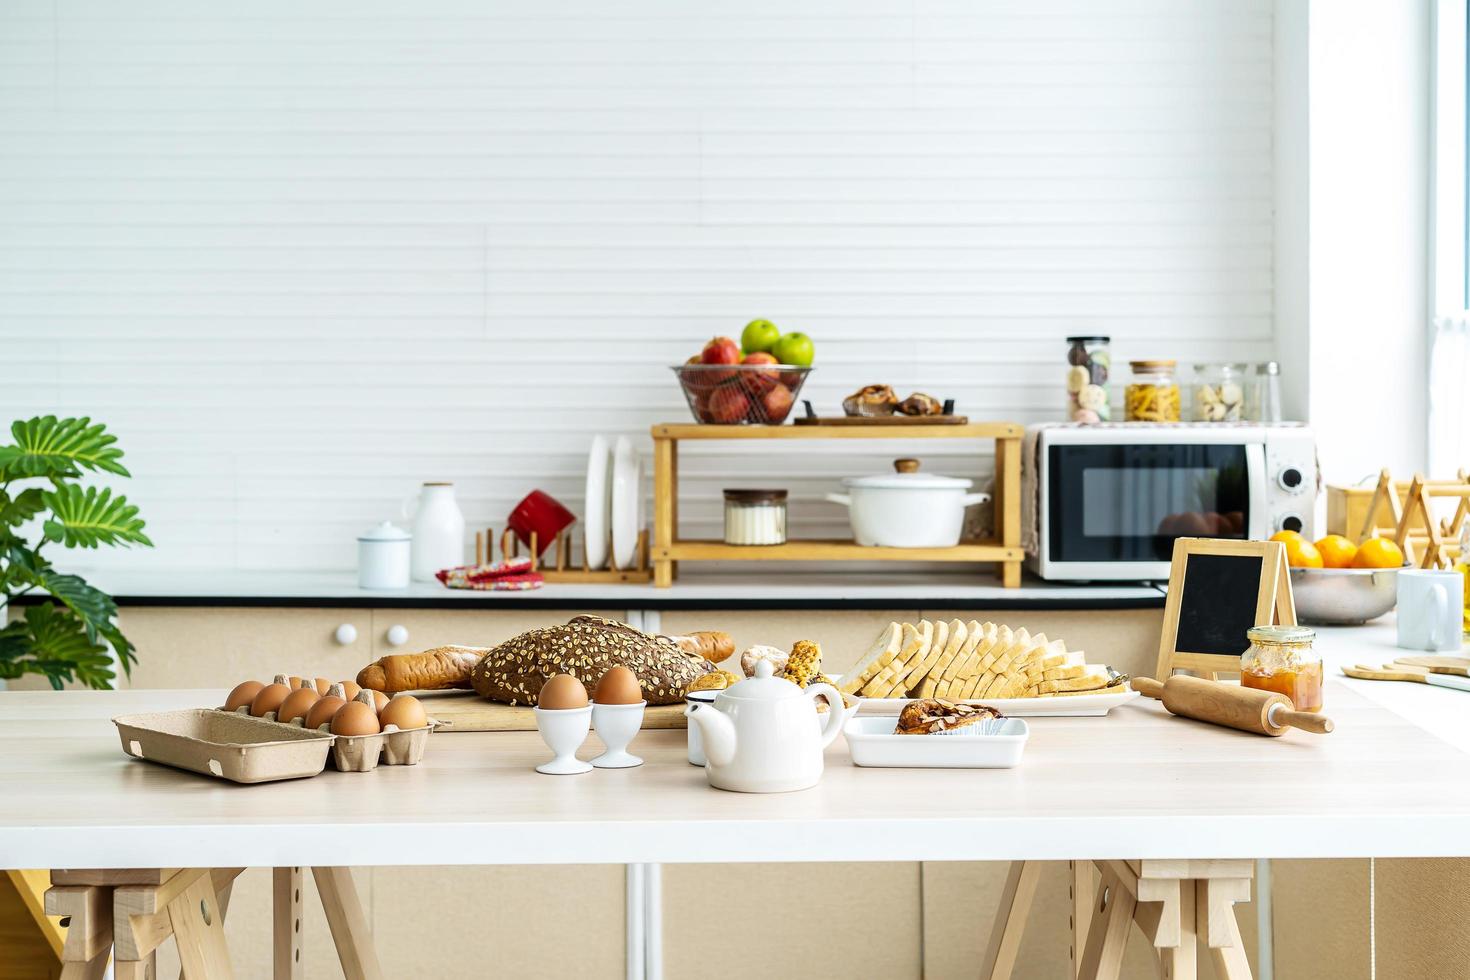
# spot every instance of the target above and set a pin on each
(242, 695)
(269, 699)
(562, 691)
(618, 686)
(350, 689)
(379, 699)
(404, 711)
(297, 704)
(294, 683)
(323, 711)
(321, 686)
(355, 718)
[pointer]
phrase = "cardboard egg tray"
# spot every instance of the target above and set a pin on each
(363, 753)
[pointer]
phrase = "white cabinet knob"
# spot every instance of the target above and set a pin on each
(397, 635)
(346, 634)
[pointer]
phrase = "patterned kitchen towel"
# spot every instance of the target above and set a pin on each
(511, 575)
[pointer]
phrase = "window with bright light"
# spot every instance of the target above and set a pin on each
(1449, 343)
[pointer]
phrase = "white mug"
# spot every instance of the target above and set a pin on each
(1429, 611)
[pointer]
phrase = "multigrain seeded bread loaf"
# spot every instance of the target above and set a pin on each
(586, 647)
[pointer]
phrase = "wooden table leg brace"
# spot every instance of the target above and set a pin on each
(1173, 902)
(129, 913)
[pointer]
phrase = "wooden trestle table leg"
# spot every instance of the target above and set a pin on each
(348, 924)
(1010, 921)
(286, 923)
(88, 943)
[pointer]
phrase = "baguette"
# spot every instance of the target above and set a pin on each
(713, 645)
(432, 670)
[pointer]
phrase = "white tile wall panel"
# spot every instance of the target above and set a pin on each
(302, 255)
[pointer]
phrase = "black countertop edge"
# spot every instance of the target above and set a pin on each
(625, 602)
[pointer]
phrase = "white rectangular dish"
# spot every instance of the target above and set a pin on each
(872, 743)
(1065, 706)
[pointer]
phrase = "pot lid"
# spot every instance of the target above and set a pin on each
(907, 477)
(386, 531)
(762, 687)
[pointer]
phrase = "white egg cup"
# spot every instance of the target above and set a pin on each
(563, 730)
(617, 725)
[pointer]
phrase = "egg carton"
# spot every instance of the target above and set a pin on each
(362, 753)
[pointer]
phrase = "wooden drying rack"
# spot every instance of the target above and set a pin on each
(1404, 511)
(562, 569)
(1004, 549)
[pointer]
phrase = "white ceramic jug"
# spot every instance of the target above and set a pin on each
(758, 736)
(438, 531)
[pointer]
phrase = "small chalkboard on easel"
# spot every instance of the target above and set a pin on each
(1218, 590)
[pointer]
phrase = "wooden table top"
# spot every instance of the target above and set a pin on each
(1136, 784)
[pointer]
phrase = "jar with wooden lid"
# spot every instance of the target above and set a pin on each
(755, 517)
(1281, 659)
(1152, 394)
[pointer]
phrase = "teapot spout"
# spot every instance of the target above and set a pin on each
(716, 733)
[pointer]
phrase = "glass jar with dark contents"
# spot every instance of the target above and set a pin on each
(1088, 363)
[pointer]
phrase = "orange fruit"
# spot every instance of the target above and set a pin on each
(1378, 553)
(1337, 551)
(1301, 553)
(1287, 537)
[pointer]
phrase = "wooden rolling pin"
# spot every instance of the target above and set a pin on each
(1245, 708)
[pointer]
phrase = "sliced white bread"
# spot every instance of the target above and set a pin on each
(929, 685)
(1097, 676)
(915, 642)
(956, 634)
(879, 655)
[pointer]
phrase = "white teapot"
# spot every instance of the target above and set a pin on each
(759, 735)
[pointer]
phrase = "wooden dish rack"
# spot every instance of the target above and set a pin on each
(1004, 549)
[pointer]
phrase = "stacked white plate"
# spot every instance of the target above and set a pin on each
(613, 503)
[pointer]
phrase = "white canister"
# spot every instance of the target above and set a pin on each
(383, 557)
(1429, 609)
(438, 531)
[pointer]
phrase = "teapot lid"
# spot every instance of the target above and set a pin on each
(763, 686)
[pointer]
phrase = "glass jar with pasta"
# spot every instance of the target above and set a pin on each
(1152, 394)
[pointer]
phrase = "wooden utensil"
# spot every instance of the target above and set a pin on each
(1407, 672)
(1438, 665)
(1245, 708)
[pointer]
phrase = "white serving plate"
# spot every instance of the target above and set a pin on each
(872, 743)
(1067, 706)
(626, 503)
(597, 503)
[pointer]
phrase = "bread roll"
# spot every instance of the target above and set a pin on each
(432, 670)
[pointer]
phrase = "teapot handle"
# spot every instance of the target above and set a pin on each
(836, 712)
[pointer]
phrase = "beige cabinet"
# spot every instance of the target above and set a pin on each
(425, 628)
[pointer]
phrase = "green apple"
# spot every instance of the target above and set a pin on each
(759, 335)
(794, 348)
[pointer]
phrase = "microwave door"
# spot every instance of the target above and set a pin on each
(1115, 510)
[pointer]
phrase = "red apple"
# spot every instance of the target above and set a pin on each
(777, 403)
(720, 350)
(728, 404)
(760, 380)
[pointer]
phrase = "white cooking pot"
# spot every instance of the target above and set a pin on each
(907, 509)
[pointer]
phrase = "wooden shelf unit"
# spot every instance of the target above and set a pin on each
(669, 549)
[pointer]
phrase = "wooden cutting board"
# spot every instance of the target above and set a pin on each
(465, 711)
(881, 420)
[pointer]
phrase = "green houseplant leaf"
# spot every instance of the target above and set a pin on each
(65, 632)
(59, 449)
(87, 518)
(56, 645)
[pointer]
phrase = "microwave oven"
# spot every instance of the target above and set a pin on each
(1110, 499)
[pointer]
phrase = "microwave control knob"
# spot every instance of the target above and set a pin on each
(1290, 479)
(1290, 522)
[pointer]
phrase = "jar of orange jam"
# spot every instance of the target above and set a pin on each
(1281, 659)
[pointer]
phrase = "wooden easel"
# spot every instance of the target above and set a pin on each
(126, 914)
(1436, 543)
(1175, 903)
(1274, 602)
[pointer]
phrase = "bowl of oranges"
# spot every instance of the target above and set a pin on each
(1336, 582)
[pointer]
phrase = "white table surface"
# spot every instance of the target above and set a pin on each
(1136, 784)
